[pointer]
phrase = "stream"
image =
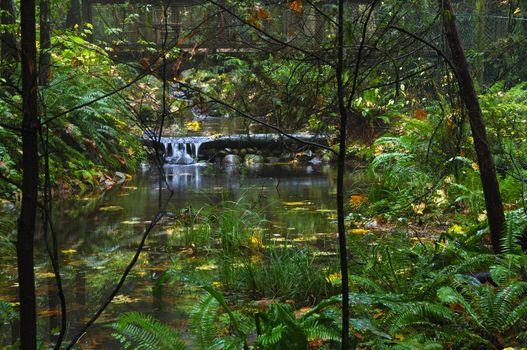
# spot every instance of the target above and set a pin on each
(98, 234)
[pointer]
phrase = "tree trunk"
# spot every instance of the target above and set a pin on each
(8, 49)
(481, 44)
(45, 44)
(343, 113)
(491, 190)
(74, 16)
(30, 169)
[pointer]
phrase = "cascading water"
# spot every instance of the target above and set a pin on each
(182, 150)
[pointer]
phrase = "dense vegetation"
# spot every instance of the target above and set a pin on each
(413, 259)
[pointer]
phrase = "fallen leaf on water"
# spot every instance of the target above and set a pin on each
(325, 210)
(111, 208)
(130, 222)
(48, 313)
(207, 267)
(359, 231)
(292, 204)
(44, 275)
(299, 209)
(124, 299)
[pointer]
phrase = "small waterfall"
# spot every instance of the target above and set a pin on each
(182, 150)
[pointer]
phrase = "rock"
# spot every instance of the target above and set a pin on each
(119, 177)
(144, 166)
(255, 128)
(228, 150)
(303, 157)
(371, 224)
(273, 160)
(6, 205)
(253, 159)
(243, 151)
(315, 161)
(232, 159)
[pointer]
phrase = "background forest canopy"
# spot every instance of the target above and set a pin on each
(378, 81)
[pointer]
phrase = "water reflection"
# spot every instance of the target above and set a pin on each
(98, 234)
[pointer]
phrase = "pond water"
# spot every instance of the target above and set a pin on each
(98, 235)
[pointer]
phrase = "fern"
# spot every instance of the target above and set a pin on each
(516, 228)
(497, 315)
(142, 332)
(203, 320)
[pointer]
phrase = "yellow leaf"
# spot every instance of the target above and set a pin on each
(256, 259)
(455, 229)
(207, 267)
(111, 208)
(378, 314)
(68, 251)
(474, 166)
(255, 241)
(359, 231)
(193, 126)
(399, 337)
(518, 12)
(294, 204)
(419, 208)
(332, 278)
(44, 275)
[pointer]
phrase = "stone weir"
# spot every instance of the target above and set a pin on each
(188, 150)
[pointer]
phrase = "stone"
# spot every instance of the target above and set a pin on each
(253, 159)
(273, 160)
(119, 177)
(371, 224)
(315, 161)
(144, 166)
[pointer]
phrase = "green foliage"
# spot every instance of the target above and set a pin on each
(203, 320)
(7, 313)
(291, 273)
(515, 235)
(497, 316)
(280, 328)
(142, 332)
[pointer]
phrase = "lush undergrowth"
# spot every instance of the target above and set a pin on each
(437, 286)
(86, 145)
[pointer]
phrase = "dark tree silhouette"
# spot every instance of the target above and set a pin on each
(30, 175)
(491, 190)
